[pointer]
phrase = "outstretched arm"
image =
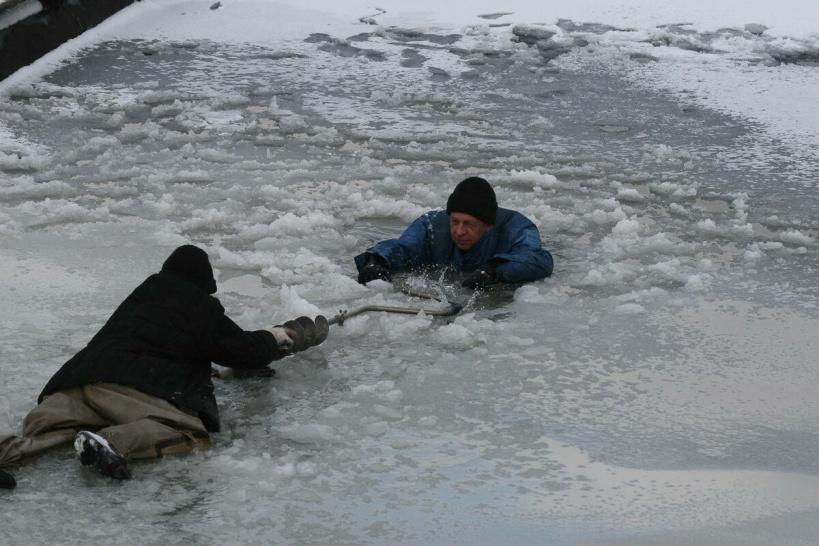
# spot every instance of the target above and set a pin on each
(252, 350)
(244, 349)
(526, 260)
(410, 250)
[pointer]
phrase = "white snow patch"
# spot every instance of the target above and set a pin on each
(532, 178)
(294, 305)
(796, 237)
(308, 433)
(629, 309)
(455, 336)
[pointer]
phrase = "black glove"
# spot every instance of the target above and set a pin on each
(306, 332)
(375, 268)
(482, 277)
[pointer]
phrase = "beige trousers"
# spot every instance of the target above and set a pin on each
(136, 424)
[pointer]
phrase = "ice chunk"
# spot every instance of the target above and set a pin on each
(377, 429)
(21, 161)
(529, 294)
(626, 227)
(698, 282)
(531, 178)
(707, 225)
(292, 224)
(455, 336)
(629, 309)
(630, 195)
(756, 28)
(60, 211)
(293, 305)
(387, 412)
(530, 34)
(308, 433)
(428, 421)
(796, 237)
(24, 187)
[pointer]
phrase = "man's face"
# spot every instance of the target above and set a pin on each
(466, 230)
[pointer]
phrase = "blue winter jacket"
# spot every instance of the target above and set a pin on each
(513, 240)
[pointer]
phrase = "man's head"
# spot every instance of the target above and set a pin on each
(192, 264)
(472, 208)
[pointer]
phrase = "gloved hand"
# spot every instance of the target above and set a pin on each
(482, 277)
(375, 268)
(283, 339)
(305, 332)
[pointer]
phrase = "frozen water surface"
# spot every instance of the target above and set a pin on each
(659, 388)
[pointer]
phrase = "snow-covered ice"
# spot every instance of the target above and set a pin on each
(660, 388)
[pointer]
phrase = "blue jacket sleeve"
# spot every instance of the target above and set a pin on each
(412, 249)
(526, 259)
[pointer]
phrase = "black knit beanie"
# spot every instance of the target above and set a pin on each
(191, 263)
(476, 197)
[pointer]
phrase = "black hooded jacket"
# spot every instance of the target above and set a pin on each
(162, 339)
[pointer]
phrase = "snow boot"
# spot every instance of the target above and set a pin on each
(93, 449)
(7, 481)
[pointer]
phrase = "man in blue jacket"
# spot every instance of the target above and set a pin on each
(491, 244)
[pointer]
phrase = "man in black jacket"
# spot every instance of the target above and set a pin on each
(142, 386)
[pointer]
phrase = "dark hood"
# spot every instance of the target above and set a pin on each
(191, 264)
